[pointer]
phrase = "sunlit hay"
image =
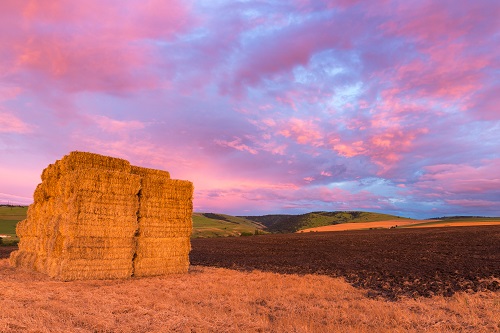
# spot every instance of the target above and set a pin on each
(149, 172)
(87, 219)
(83, 218)
(166, 208)
(159, 256)
(165, 224)
(99, 203)
(82, 160)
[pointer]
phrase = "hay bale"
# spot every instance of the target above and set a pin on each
(97, 217)
(149, 173)
(165, 224)
(159, 256)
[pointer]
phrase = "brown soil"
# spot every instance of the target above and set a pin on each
(6, 250)
(396, 262)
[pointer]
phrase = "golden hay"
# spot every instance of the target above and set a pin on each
(149, 172)
(165, 224)
(96, 217)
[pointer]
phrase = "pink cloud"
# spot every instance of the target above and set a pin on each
(485, 104)
(116, 126)
(454, 43)
(431, 21)
(350, 150)
(236, 144)
(472, 203)
(302, 131)
(289, 47)
(467, 188)
(272, 147)
(78, 48)
(462, 178)
(9, 92)
(385, 148)
(12, 124)
(309, 5)
(266, 197)
(147, 19)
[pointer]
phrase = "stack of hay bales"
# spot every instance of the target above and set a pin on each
(85, 221)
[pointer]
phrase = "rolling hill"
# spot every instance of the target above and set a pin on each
(294, 223)
(221, 225)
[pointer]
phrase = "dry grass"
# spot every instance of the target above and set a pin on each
(399, 223)
(362, 225)
(221, 300)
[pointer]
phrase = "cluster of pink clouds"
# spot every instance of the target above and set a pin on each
(268, 107)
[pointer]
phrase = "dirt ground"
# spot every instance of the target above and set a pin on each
(6, 250)
(391, 262)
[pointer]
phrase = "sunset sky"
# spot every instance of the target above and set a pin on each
(267, 106)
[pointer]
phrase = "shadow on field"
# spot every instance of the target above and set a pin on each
(6, 250)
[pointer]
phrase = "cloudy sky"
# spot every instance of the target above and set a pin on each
(284, 106)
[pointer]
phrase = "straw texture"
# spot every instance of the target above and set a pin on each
(98, 217)
(165, 225)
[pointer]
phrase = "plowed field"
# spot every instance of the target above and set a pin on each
(392, 263)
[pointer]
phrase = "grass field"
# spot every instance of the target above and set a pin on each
(407, 223)
(9, 217)
(223, 300)
(220, 225)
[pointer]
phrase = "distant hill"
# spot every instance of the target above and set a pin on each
(464, 218)
(294, 223)
(221, 225)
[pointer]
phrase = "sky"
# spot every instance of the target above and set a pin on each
(284, 106)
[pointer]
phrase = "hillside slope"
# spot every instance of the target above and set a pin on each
(221, 225)
(294, 223)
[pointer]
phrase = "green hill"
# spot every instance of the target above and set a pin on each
(293, 223)
(221, 225)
